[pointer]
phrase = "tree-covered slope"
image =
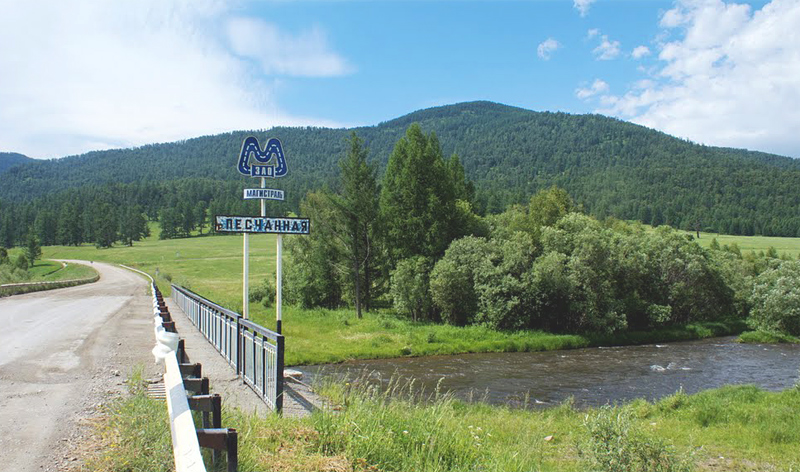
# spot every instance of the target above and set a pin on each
(10, 159)
(611, 167)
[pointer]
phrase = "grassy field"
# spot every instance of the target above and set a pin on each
(52, 271)
(788, 246)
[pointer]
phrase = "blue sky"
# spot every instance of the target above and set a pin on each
(119, 74)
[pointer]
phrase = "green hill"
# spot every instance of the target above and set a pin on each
(11, 159)
(611, 167)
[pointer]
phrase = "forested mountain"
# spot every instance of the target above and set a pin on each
(610, 167)
(10, 159)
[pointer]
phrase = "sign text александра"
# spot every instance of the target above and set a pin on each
(261, 224)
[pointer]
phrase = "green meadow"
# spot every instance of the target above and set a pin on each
(53, 271)
(788, 246)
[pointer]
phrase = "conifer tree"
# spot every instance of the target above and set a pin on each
(33, 250)
(417, 202)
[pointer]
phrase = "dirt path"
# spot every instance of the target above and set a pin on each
(62, 353)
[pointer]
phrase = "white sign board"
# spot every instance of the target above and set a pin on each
(263, 194)
(261, 224)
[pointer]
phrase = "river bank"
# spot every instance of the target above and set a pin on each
(733, 428)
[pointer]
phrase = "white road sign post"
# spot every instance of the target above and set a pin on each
(269, 162)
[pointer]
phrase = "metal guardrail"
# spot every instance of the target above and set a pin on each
(180, 378)
(185, 446)
(256, 353)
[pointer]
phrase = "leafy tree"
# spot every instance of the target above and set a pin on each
(33, 250)
(170, 223)
(452, 280)
(70, 231)
(3, 256)
(409, 288)
(775, 298)
(45, 225)
(503, 293)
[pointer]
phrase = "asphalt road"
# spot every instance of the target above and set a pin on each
(62, 354)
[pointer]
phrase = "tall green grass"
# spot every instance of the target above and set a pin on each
(134, 433)
(398, 428)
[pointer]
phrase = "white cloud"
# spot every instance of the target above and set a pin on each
(640, 52)
(732, 78)
(582, 6)
(597, 87)
(278, 52)
(84, 75)
(607, 49)
(547, 48)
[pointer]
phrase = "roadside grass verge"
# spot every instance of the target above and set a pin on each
(52, 271)
(50, 275)
(134, 433)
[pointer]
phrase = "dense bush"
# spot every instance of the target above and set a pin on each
(21, 263)
(311, 279)
(501, 285)
(452, 280)
(616, 444)
(10, 274)
(775, 298)
(583, 275)
(409, 287)
(263, 293)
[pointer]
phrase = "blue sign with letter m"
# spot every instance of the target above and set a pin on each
(262, 167)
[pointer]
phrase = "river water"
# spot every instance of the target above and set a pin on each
(593, 376)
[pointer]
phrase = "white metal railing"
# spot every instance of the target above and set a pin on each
(256, 353)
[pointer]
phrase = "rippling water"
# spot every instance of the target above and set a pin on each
(593, 376)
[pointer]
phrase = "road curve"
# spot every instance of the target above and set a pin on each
(63, 352)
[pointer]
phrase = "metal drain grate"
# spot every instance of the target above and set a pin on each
(157, 390)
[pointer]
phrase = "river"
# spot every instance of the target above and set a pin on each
(593, 376)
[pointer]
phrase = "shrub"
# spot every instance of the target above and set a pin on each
(615, 445)
(775, 299)
(263, 293)
(504, 300)
(21, 263)
(409, 287)
(452, 281)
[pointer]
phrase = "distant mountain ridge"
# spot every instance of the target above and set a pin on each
(11, 159)
(611, 167)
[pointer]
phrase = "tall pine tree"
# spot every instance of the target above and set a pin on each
(358, 205)
(418, 198)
